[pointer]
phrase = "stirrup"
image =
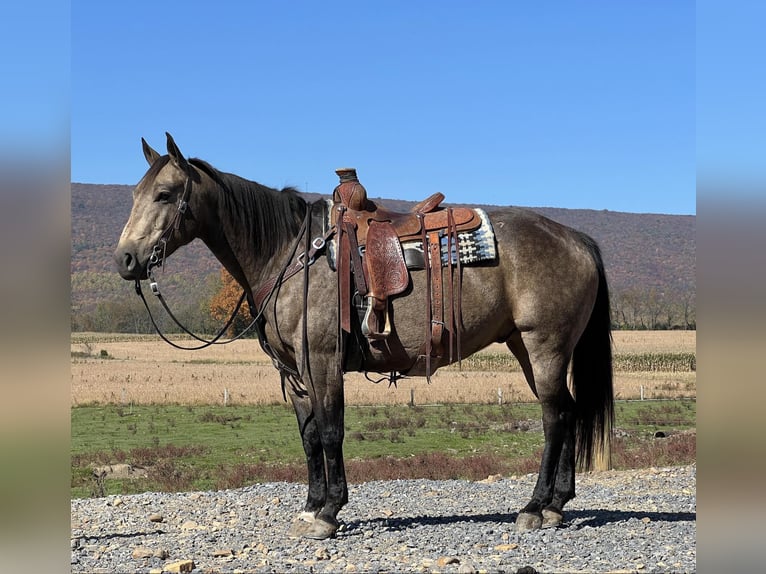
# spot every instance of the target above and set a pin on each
(372, 321)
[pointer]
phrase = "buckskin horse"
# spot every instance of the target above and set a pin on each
(544, 295)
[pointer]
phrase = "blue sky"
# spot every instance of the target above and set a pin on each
(560, 104)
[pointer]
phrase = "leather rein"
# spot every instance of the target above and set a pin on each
(156, 260)
(260, 298)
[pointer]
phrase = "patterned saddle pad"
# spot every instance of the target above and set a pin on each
(475, 246)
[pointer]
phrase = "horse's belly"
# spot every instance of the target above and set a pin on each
(483, 316)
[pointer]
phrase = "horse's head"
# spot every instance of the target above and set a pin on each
(161, 220)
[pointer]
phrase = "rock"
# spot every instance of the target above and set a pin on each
(491, 479)
(222, 552)
(156, 517)
(322, 553)
(189, 525)
(443, 561)
(506, 547)
(467, 568)
(180, 566)
(121, 470)
(262, 548)
(142, 552)
(162, 554)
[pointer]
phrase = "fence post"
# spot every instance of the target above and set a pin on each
(412, 397)
(499, 396)
(225, 397)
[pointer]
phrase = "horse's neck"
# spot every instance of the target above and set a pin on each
(228, 258)
(235, 245)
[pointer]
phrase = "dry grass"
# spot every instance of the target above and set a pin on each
(114, 369)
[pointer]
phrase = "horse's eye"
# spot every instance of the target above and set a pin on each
(163, 197)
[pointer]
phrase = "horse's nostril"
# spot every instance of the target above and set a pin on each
(128, 262)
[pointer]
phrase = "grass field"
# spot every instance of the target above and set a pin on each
(176, 448)
(139, 404)
(143, 370)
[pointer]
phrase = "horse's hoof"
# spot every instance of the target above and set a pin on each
(552, 518)
(528, 521)
(320, 530)
(300, 525)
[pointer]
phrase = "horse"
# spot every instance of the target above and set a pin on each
(545, 296)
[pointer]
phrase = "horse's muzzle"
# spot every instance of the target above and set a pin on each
(128, 265)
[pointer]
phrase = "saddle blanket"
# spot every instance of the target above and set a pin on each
(475, 246)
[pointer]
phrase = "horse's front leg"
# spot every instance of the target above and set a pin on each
(327, 399)
(312, 446)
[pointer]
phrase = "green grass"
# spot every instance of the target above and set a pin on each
(644, 418)
(204, 447)
(622, 362)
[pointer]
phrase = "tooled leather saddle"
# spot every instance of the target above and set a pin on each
(369, 242)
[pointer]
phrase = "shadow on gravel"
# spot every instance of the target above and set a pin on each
(594, 518)
(575, 519)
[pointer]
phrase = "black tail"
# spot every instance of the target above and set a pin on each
(592, 372)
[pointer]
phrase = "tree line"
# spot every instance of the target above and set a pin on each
(207, 311)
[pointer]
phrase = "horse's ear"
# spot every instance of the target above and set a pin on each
(175, 154)
(150, 155)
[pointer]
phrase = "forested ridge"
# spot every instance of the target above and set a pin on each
(649, 258)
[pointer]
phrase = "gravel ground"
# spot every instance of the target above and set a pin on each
(621, 521)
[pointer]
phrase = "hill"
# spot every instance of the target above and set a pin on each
(646, 255)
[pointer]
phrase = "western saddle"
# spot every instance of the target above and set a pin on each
(369, 247)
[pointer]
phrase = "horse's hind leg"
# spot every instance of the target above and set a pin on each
(564, 485)
(312, 446)
(545, 368)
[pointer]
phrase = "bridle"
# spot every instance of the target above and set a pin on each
(156, 260)
(159, 249)
(257, 302)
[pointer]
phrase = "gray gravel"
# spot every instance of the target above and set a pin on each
(624, 521)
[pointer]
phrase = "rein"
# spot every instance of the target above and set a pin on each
(157, 258)
(205, 343)
(302, 261)
(257, 305)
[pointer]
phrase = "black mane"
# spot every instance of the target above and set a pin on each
(271, 216)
